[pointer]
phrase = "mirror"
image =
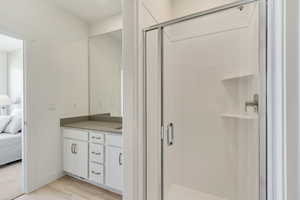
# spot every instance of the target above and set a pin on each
(105, 74)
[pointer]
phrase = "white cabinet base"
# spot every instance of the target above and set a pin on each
(93, 157)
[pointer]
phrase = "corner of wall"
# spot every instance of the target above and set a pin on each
(107, 25)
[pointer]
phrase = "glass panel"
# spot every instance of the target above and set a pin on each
(211, 88)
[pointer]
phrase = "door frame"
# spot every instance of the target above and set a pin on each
(25, 152)
(263, 52)
(134, 141)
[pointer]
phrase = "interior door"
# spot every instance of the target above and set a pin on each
(210, 111)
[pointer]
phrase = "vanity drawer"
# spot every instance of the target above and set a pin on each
(75, 134)
(96, 153)
(96, 173)
(97, 137)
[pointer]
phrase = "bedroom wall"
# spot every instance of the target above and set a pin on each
(56, 85)
(15, 75)
(3, 73)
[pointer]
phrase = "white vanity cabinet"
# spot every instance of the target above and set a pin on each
(95, 157)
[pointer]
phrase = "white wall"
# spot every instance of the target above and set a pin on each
(15, 75)
(107, 25)
(181, 8)
(3, 73)
(56, 49)
(105, 74)
(164, 10)
(72, 71)
(291, 40)
(160, 10)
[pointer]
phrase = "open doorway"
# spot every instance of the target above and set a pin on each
(11, 117)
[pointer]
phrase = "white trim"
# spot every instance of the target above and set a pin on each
(25, 153)
(24, 180)
(133, 104)
(276, 125)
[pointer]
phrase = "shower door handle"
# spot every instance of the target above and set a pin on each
(170, 134)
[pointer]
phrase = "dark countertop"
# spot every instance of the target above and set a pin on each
(113, 127)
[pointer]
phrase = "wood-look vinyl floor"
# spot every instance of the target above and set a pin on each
(68, 188)
(10, 181)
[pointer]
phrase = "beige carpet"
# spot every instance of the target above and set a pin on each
(10, 181)
(68, 188)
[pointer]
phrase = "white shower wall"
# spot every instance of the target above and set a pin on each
(164, 10)
(181, 8)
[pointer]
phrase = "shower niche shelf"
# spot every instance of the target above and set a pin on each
(239, 116)
(238, 76)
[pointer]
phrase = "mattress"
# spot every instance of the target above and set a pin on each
(10, 148)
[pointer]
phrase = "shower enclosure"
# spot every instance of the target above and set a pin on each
(205, 103)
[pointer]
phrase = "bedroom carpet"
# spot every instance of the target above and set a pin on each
(10, 181)
(68, 188)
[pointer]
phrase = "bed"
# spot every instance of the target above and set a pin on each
(10, 148)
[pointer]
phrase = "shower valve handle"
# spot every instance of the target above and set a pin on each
(254, 103)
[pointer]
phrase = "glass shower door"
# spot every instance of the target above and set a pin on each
(210, 107)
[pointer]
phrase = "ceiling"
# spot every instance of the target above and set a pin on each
(90, 11)
(9, 44)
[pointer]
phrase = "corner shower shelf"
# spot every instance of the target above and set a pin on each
(238, 76)
(240, 116)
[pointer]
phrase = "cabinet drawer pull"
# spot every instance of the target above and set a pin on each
(74, 148)
(120, 159)
(96, 173)
(97, 138)
(98, 154)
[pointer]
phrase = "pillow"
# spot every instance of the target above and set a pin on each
(15, 124)
(4, 120)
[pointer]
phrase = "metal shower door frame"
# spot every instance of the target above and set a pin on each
(263, 44)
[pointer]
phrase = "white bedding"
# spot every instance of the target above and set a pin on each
(10, 148)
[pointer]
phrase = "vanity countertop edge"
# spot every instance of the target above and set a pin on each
(104, 126)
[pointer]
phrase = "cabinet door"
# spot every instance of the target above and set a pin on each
(114, 178)
(80, 162)
(76, 157)
(68, 156)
